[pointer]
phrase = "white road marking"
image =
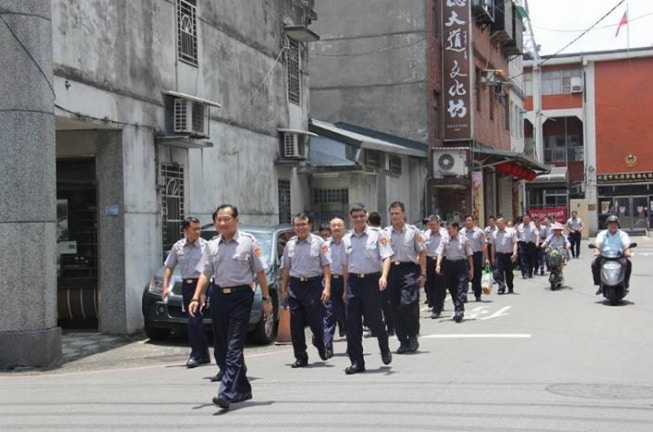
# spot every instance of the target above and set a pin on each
(478, 336)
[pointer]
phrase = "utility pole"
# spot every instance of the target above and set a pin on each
(536, 84)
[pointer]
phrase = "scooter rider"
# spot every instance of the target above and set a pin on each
(612, 239)
(557, 240)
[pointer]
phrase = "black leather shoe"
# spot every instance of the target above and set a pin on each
(204, 360)
(511, 291)
(322, 352)
(386, 357)
(242, 397)
(598, 291)
(354, 369)
(222, 402)
(403, 349)
(501, 291)
(217, 377)
(413, 344)
(299, 363)
(329, 353)
(478, 298)
(435, 315)
(458, 318)
(192, 363)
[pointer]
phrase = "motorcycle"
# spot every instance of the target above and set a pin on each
(613, 274)
(555, 259)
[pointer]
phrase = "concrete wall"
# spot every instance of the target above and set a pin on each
(370, 66)
(111, 62)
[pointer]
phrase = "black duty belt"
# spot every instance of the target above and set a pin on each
(232, 289)
(364, 275)
(190, 281)
(431, 257)
(336, 276)
(305, 278)
(456, 260)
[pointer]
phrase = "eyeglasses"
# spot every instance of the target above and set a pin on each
(358, 217)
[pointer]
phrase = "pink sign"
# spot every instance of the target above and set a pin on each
(557, 213)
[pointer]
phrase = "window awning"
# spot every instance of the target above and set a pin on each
(191, 98)
(182, 141)
(556, 175)
(296, 131)
(491, 157)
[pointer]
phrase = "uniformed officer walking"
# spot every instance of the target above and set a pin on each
(407, 275)
(365, 261)
(455, 261)
(232, 259)
(306, 285)
(335, 307)
(476, 237)
(504, 254)
(187, 253)
(435, 287)
(575, 227)
(529, 240)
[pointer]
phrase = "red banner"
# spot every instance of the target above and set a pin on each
(557, 213)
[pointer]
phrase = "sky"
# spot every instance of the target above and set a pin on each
(556, 23)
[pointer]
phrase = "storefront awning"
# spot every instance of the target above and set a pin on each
(491, 157)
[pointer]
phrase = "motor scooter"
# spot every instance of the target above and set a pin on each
(613, 274)
(555, 259)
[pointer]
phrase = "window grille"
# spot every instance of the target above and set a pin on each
(322, 196)
(172, 204)
(373, 159)
(395, 165)
(187, 31)
(292, 66)
(284, 201)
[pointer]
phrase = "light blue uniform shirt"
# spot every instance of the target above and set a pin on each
(306, 258)
(432, 241)
(406, 243)
(336, 263)
(187, 256)
(365, 252)
(618, 241)
(476, 237)
(232, 263)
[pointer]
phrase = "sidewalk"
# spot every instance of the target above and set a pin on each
(76, 344)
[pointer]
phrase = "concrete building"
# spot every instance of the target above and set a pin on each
(435, 72)
(597, 133)
(164, 108)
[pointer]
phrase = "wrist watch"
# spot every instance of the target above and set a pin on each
(265, 298)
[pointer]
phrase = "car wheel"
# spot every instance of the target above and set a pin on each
(155, 333)
(266, 329)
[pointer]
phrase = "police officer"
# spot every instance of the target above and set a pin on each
(407, 275)
(187, 253)
(435, 288)
(374, 221)
(335, 307)
(504, 254)
(575, 226)
(489, 229)
(231, 259)
(458, 267)
(306, 286)
(365, 258)
(476, 237)
(529, 241)
(543, 231)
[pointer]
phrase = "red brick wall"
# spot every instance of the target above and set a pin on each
(487, 55)
(624, 114)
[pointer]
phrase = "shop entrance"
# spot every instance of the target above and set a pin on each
(632, 212)
(77, 265)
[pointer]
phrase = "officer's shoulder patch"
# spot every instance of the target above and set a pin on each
(325, 248)
(420, 238)
(258, 252)
(383, 241)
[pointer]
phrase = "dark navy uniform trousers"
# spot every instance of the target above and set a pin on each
(435, 285)
(230, 314)
(456, 275)
(199, 346)
(335, 310)
(477, 257)
(404, 299)
(363, 301)
(306, 307)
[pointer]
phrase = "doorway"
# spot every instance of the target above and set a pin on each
(632, 212)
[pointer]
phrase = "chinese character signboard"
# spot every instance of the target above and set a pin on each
(634, 177)
(456, 60)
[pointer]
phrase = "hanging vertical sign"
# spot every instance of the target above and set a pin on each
(456, 60)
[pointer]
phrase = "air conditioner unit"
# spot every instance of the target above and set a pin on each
(191, 118)
(294, 146)
(449, 162)
(576, 85)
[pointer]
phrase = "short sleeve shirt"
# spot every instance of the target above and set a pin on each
(232, 263)
(527, 233)
(336, 263)
(306, 258)
(432, 240)
(504, 240)
(365, 252)
(556, 242)
(476, 237)
(186, 256)
(455, 248)
(618, 241)
(574, 224)
(407, 243)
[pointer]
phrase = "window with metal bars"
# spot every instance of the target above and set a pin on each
(172, 204)
(395, 165)
(187, 31)
(321, 196)
(293, 59)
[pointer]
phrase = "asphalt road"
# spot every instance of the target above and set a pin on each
(534, 361)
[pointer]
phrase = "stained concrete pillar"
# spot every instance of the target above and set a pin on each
(28, 332)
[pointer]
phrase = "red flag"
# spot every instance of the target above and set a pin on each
(624, 21)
